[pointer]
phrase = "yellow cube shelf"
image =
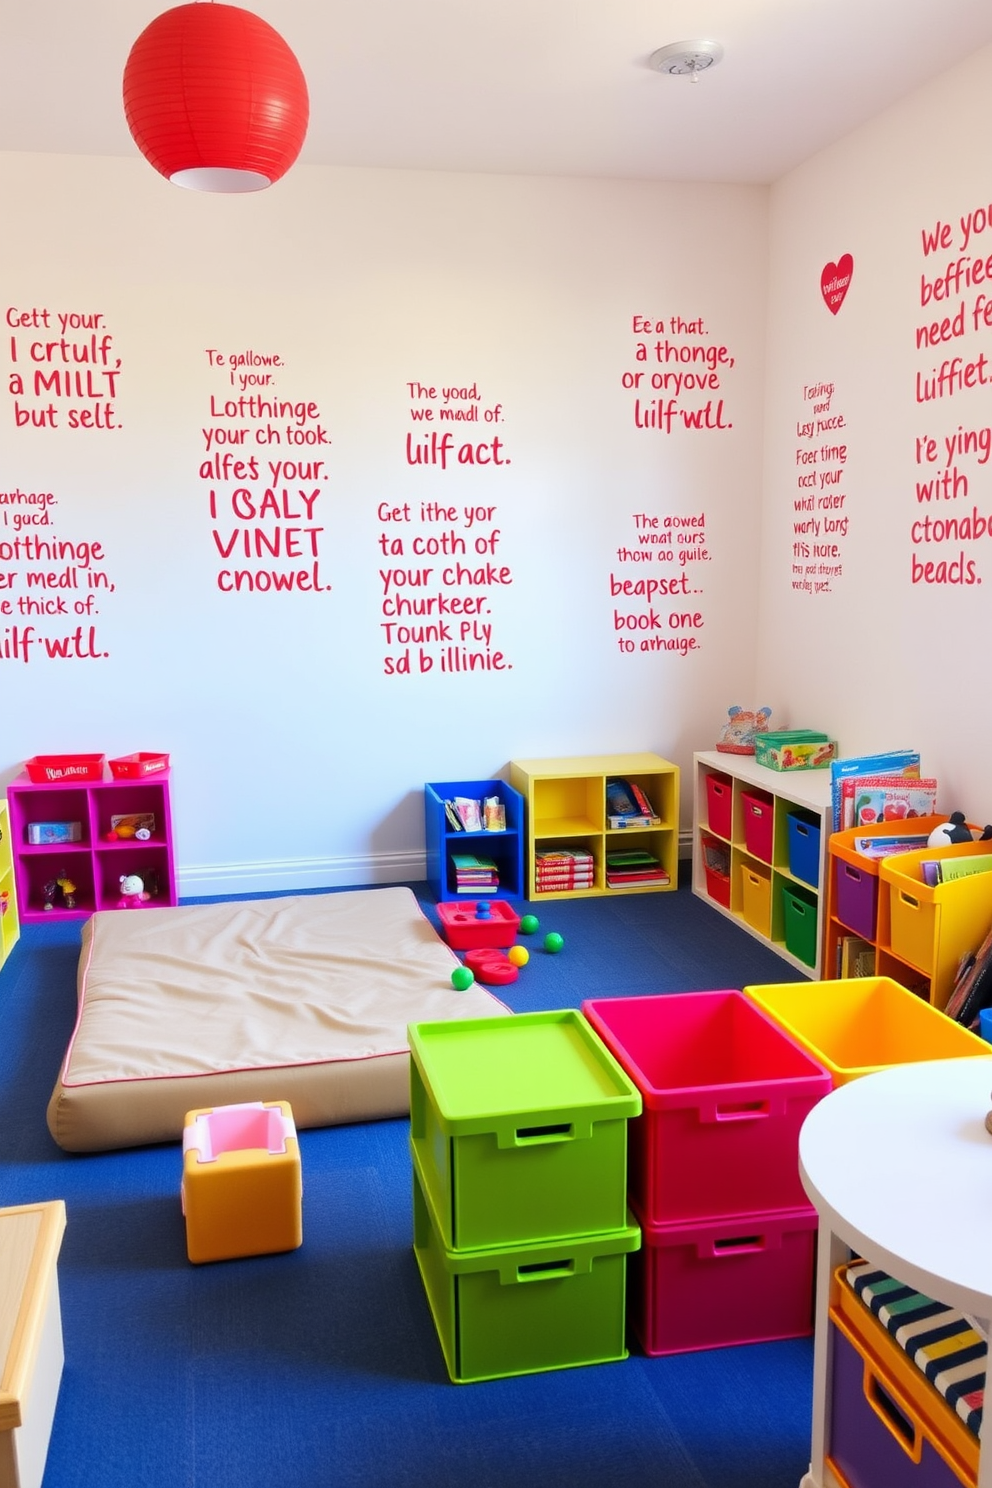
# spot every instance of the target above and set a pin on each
(567, 812)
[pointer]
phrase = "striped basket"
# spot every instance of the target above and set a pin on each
(945, 1346)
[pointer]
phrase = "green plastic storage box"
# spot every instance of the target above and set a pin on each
(793, 749)
(519, 1126)
(526, 1308)
(799, 911)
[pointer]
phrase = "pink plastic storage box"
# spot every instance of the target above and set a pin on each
(758, 817)
(719, 804)
(745, 1279)
(724, 1094)
(466, 929)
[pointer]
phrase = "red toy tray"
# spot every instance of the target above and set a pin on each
(52, 769)
(133, 766)
(465, 930)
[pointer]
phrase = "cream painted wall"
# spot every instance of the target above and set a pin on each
(890, 656)
(297, 759)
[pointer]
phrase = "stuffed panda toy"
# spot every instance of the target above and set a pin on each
(955, 830)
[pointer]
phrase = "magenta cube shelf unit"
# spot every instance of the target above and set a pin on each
(93, 864)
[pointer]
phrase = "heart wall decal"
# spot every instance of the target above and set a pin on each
(835, 282)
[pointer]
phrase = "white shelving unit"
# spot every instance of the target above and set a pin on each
(807, 790)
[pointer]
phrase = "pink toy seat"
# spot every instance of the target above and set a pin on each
(238, 1129)
(242, 1186)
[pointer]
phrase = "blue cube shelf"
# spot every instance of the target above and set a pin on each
(505, 848)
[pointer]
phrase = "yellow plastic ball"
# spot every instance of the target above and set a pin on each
(518, 955)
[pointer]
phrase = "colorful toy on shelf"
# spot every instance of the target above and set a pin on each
(955, 829)
(133, 893)
(737, 735)
(59, 892)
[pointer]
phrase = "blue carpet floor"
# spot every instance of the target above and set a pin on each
(321, 1368)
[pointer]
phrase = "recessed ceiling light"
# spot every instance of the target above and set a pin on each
(686, 58)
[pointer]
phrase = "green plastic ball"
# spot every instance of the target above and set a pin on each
(553, 942)
(528, 924)
(462, 978)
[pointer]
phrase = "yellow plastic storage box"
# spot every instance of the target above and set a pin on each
(932, 928)
(857, 1026)
(756, 898)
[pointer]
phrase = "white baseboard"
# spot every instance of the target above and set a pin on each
(291, 875)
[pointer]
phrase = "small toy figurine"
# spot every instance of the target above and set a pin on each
(739, 730)
(59, 892)
(132, 891)
(955, 830)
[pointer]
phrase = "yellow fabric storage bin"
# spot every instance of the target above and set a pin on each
(863, 1024)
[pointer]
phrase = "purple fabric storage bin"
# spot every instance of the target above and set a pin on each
(856, 898)
(868, 1452)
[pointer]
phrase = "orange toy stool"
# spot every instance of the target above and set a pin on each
(242, 1189)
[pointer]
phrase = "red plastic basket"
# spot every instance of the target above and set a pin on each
(52, 769)
(133, 766)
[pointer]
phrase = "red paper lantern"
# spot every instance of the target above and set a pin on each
(215, 99)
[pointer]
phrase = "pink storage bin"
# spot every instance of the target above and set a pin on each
(724, 1094)
(719, 804)
(757, 809)
(745, 1279)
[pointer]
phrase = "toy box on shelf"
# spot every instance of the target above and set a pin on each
(759, 850)
(9, 921)
(109, 829)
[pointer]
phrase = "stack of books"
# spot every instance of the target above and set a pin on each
(558, 870)
(474, 875)
(632, 870)
(628, 806)
(852, 780)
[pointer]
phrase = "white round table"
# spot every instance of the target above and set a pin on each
(899, 1166)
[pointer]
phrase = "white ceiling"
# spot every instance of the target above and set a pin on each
(558, 87)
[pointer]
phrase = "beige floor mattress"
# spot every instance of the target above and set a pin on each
(304, 998)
